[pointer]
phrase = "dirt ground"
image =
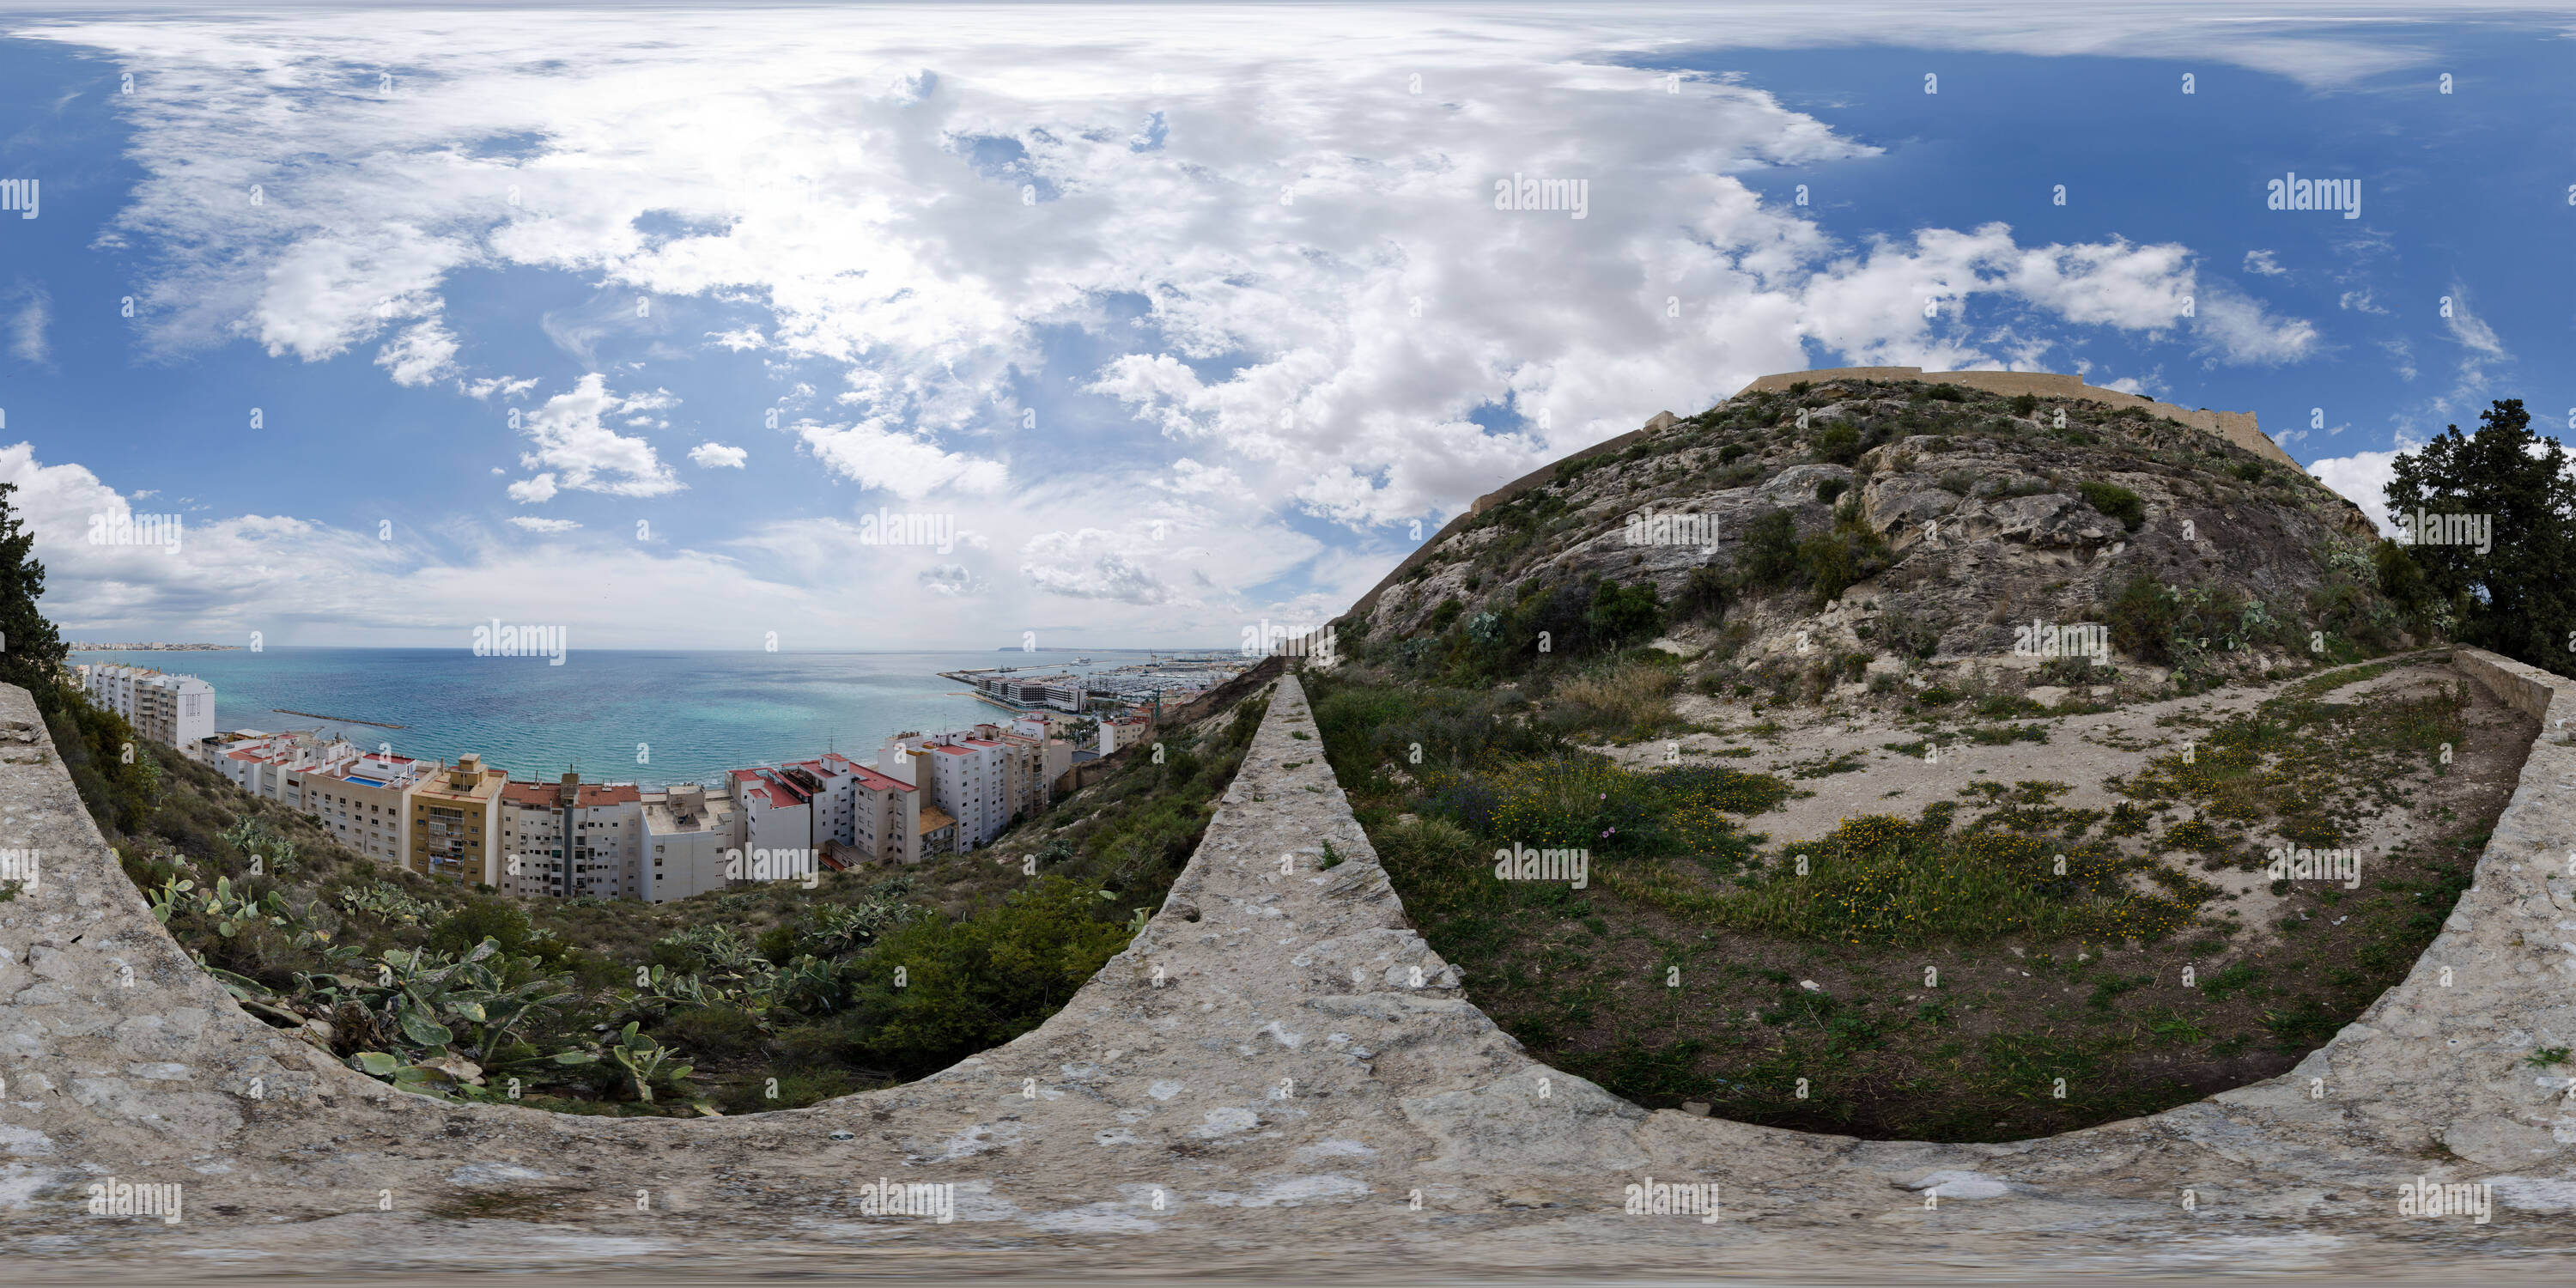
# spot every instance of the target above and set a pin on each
(2086, 751)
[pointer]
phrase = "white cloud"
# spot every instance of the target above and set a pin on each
(27, 323)
(2363, 479)
(421, 355)
(543, 525)
(502, 385)
(2238, 330)
(872, 455)
(746, 338)
(533, 491)
(2470, 331)
(718, 456)
(1090, 564)
(2401, 356)
(2262, 263)
(1190, 478)
(579, 452)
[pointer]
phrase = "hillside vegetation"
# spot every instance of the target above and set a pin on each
(1856, 521)
(764, 997)
(1868, 851)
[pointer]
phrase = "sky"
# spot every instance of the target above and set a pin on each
(895, 327)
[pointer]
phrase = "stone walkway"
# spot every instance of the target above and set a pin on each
(1277, 1079)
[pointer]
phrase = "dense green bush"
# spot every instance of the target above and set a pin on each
(1704, 596)
(1840, 443)
(2143, 619)
(978, 982)
(1620, 615)
(1770, 556)
(2117, 502)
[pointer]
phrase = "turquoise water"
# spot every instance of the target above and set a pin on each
(697, 714)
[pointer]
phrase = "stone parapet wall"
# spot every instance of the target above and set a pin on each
(2526, 689)
(1278, 1076)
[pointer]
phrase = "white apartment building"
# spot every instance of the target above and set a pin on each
(777, 810)
(1031, 762)
(573, 840)
(963, 778)
(1127, 730)
(274, 766)
(174, 710)
(832, 783)
(687, 834)
(886, 821)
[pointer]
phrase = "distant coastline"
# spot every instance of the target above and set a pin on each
(78, 647)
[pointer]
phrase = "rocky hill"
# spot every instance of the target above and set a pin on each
(1913, 518)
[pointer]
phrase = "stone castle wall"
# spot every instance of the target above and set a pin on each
(2235, 426)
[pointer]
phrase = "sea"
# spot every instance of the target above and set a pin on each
(638, 716)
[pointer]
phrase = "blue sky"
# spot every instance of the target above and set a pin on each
(1177, 318)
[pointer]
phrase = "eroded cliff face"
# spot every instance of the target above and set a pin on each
(1278, 1074)
(1981, 504)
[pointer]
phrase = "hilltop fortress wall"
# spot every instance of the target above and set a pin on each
(2235, 426)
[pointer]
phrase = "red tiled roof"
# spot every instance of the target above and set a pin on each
(540, 795)
(611, 794)
(876, 782)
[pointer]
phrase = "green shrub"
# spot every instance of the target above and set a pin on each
(976, 983)
(1619, 615)
(2143, 620)
(2117, 502)
(1826, 559)
(711, 1031)
(1727, 454)
(1840, 443)
(1830, 562)
(481, 917)
(2025, 404)
(1771, 550)
(1704, 596)
(1828, 489)
(797, 1089)
(1908, 636)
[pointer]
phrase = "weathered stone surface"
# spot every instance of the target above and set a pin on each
(1258, 1085)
